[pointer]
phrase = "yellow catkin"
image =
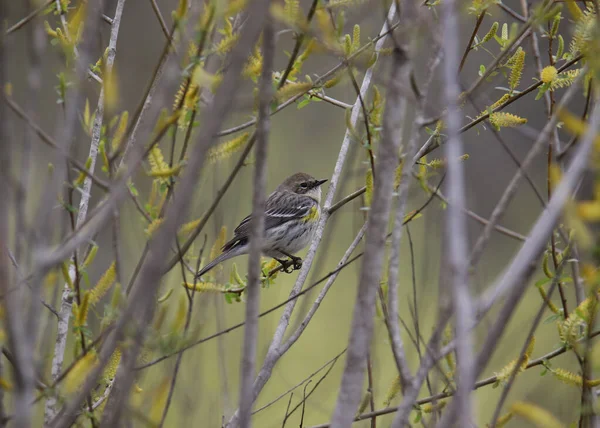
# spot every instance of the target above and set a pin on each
(589, 210)
(157, 162)
(393, 391)
(491, 33)
(518, 63)
(228, 148)
(567, 377)
(152, 227)
(82, 368)
(189, 227)
(504, 374)
(6, 384)
(292, 89)
(179, 320)
(219, 243)
(110, 371)
(548, 74)
(82, 311)
(65, 271)
(549, 302)
(90, 257)
(120, 131)
(503, 420)
(204, 287)
(501, 101)
(166, 173)
(103, 285)
(536, 415)
(506, 120)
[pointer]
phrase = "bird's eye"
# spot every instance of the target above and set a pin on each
(304, 185)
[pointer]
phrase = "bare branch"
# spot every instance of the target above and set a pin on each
(257, 231)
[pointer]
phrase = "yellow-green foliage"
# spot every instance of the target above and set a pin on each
(441, 163)
(369, 187)
(103, 285)
(228, 148)
(268, 266)
(505, 120)
(169, 172)
(480, 6)
(583, 33)
(189, 227)
(504, 374)
(549, 302)
(449, 357)
(82, 175)
(564, 79)
(6, 384)
(431, 407)
(80, 371)
(364, 403)
(181, 10)
(82, 311)
(203, 79)
(297, 67)
(517, 63)
(64, 266)
(503, 420)
(165, 296)
(219, 243)
(229, 39)
(152, 227)
(292, 9)
(393, 391)
(253, 67)
(535, 415)
(179, 319)
(375, 117)
(159, 400)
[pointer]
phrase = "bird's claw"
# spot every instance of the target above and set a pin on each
(289, 266)
(297, 261)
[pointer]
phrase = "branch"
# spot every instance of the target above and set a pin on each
(370, 273)
(257, 229)
(455, 225)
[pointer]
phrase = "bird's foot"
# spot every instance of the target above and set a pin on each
(287, 266)
(297, 261)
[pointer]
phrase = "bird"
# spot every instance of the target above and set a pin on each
(292, 212)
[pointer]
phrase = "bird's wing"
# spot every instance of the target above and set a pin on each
(281, 207)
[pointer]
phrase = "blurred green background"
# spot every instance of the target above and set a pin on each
(308, 140)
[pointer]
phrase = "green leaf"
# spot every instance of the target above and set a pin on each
(303, 103)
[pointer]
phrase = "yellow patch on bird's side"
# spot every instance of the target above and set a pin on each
(313, 215)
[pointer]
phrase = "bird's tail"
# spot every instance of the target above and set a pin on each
(226, 255)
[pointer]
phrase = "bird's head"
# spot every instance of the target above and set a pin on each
(303, 184)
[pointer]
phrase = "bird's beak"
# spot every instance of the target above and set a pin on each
(319, 182)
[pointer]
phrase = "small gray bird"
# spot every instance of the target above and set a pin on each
(291, 217)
